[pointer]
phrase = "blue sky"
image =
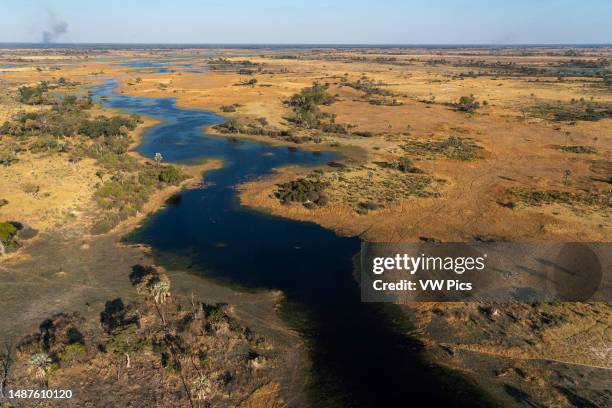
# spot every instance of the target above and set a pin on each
(313, 21)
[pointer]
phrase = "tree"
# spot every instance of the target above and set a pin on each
(171, 175)
(126, 342)
(158, 158)
(201, 387)
(40, 365)
(152, 284)
(159, 291)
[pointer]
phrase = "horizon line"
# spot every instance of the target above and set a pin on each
(311, 44)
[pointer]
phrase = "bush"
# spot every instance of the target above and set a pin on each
(303, 191)
(404, 164)
(467, 104)
(126, 194)
(7, 232)
(171, 175)
(73, 353)
(30, 188)
(305, 105)
(366, 206)
(44, 143)
(103, 126)
(33, 95)
(228, 108)
(315, 95)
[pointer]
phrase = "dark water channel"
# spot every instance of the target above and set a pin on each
(359, 357)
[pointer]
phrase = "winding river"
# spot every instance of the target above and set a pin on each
(359, 356)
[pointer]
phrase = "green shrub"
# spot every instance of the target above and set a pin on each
(104, 126)
(404, 164)
(33, 95)
(7, 232)
(467, 104)
(125, 194)
(72, 353)
(309, 192)
(125, 341)
(116, 162)
(305, 105)
(44, 143)
(171, 175)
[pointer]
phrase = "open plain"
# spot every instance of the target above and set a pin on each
(435, 145)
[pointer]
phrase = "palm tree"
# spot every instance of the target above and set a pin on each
(158, 158)
(40, 364)
(160, 291)
(201, 387)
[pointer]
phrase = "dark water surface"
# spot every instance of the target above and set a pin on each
(360, 358)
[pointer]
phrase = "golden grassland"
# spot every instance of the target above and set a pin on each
(519, 150)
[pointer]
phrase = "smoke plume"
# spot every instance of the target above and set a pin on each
(55, 30)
